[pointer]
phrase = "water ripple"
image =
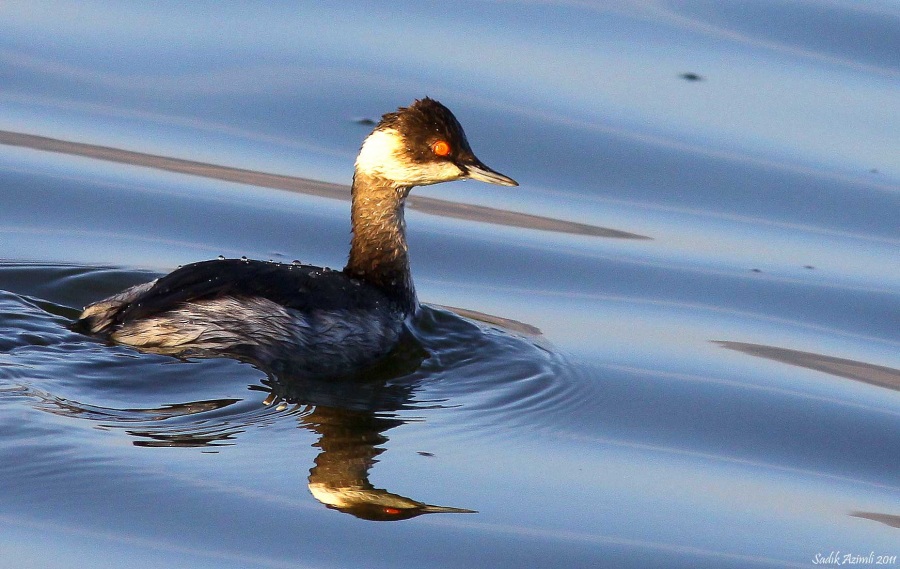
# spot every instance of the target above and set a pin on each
(494, 369)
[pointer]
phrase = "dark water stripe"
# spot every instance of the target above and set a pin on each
(886, 519)
(427, 205)
(881, 376)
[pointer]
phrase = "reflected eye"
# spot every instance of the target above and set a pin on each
(441, 148)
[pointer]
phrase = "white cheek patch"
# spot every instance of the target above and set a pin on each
(383, 155)
(380, 154)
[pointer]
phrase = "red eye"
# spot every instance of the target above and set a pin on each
(441, 148)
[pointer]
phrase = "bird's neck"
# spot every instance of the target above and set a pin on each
(378, 251)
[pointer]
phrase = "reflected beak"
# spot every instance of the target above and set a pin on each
(429, 509)
(478, 171)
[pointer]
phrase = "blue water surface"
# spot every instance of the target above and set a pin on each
(676, 344)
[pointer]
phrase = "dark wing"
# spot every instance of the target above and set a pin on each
(301, 287)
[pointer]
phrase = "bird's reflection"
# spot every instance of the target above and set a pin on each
(351, 415)
(349, 442)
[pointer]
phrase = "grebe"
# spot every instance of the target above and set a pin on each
(315, 320)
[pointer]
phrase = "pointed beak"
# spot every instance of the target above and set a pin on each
(478, 171)
(429, 509)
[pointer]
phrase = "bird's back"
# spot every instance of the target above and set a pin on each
(262, 311)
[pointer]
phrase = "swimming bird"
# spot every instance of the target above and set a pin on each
(317, 321)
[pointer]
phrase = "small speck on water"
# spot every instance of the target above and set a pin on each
(808, 267)
(756, 270)
(423, 453)
(364, 121)
(691, 76)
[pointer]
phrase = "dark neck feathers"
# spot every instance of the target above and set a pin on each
(378, 251)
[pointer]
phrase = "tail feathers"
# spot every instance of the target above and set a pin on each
(98, 318)
(101, 318)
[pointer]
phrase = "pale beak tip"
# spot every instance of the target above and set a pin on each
(482, 173)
